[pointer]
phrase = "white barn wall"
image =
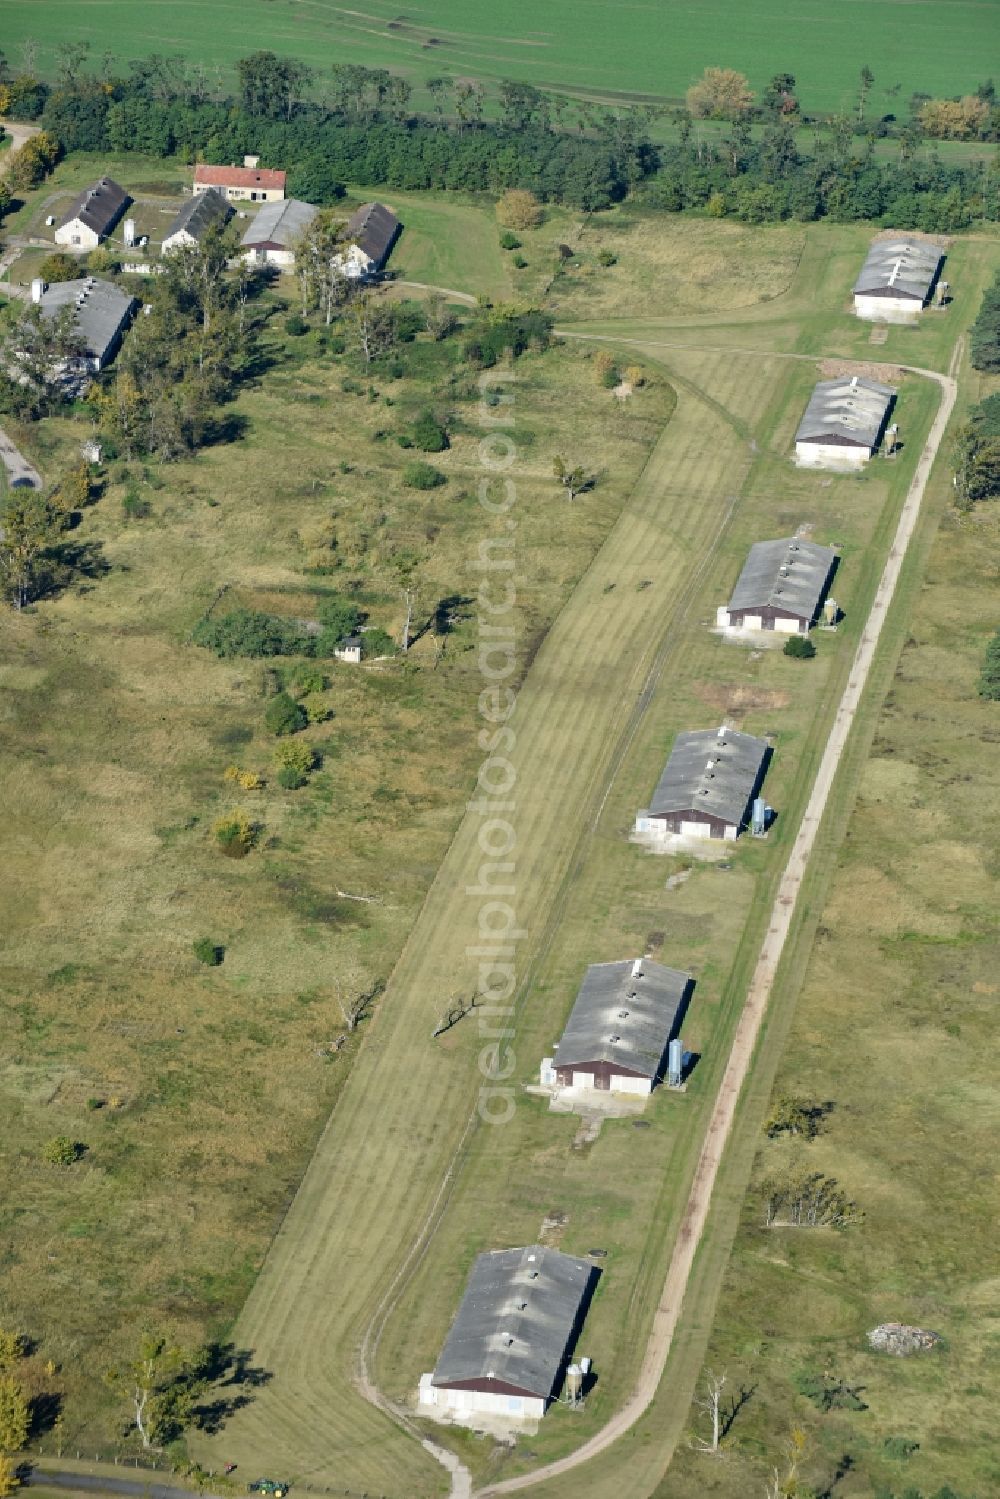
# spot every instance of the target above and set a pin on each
(830, 455)
(887, 309)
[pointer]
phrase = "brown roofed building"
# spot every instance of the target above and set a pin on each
(249, 183)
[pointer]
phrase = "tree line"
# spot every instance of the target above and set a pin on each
(357, 124)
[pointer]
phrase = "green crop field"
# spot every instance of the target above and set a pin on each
(651, 51)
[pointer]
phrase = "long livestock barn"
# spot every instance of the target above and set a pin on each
(508, 1346)
(618, 1030)
(707, 785)
(782, 586)
(843, 423)
(896, 279)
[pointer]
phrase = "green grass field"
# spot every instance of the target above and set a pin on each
(116, 736)
(894, 1009)
(583, 891)
(605, 51)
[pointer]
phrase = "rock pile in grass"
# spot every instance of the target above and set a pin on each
(901, 1341)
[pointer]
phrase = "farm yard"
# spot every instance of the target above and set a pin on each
(214, 1084)
(611, 53)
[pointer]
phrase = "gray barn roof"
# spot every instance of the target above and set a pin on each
(279, 225)
(100, 310)
(849, 410)
(98, 206)
(516, 1319)
(373, 228)
(624, 1013)
(790, 575)
(899, 268)
(200, 213)
(722, 789)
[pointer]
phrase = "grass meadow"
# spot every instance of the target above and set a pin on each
(718, 475)
(215, 1085)
(116, 736)
(638, 53)
(894, 1011)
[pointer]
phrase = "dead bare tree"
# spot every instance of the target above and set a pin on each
(808, 1201)
(457, 1010)
(711, 1404)
(355, 1003)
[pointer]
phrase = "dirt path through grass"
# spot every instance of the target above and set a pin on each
(748, 1029)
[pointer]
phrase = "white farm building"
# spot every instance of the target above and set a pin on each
(274, 235)
(781, 587)
(843, 423)
(896, 280)
(509, 1344)
(205, 211)
(92, 216)
(618, 1030)
(369, 236)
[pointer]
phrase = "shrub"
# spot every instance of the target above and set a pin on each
(296, 325)
(377, 642)
(134, 507)
(248, 632)
(899, 1448)
(297, 754)
(59, 267)
(207, 951)
(13, 1348)
(636, 376)
(308, 679)
(519, 261)
(290, 778)
(565, 252)
(317, 709)
(606, 257)
(609, 379)
(519, 209)
(989, 676)
(422, 476)
(247, 780)
(509, 241)
(800, 646)
(405, 440)
(235, 834)
(428, 433)
(62, 1151)
(604, 365)
(283, 715)
(94, 1104)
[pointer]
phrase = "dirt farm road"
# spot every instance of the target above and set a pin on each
(748, 1028)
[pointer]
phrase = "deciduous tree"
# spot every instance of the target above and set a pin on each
(14, 1415)
(719, 94)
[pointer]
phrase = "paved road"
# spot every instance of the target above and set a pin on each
(19, 132)
(696, 1212)
(19, 471)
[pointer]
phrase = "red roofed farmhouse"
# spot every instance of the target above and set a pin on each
(246, 184)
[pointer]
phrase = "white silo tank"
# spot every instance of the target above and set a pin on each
(574, 1383)
(129, 232)
(675, 1062)
(37, 289)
